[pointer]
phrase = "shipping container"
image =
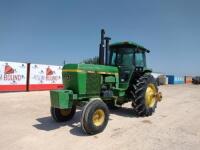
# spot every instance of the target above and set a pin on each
(188, 79)
(170, 79)
(175, 79)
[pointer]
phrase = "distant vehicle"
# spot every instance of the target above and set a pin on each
(196, 80)
(161, 80)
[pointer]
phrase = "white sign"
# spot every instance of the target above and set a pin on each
(45, 74)
(13, 73)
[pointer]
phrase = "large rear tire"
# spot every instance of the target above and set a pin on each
(95, 117)
(61, 115)
(143, 95)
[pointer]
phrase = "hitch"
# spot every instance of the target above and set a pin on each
(158, 96)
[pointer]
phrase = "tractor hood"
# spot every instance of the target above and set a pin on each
(85, 79)
(90, 68)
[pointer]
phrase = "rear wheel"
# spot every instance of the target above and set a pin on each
(61, 115)
(95, 117)
(143, 95)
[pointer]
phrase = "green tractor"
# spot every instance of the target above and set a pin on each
(121, 76)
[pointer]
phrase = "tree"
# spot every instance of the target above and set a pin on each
(94, 60)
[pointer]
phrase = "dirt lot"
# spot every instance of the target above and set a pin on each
(26, 124)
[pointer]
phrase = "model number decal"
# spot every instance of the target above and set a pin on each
(68, 77)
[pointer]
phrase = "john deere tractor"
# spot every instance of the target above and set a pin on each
(121, 76)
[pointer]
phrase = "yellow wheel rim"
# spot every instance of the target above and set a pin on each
(150, 96)
(65, 112)
(98, 117)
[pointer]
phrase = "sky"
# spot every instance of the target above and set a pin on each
(51, 31)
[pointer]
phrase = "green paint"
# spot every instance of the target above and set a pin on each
(110, 79)
(85, 78)
(61, 98)
(92, 67)
(119, 92)
(93, 84)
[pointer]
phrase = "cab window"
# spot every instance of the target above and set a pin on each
(140, 60)
(122, 57)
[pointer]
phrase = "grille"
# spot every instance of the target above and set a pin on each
(93, 83)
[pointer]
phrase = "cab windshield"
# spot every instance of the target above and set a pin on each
(127, 57)
(122, 57)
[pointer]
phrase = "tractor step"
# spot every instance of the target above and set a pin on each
(119, 92)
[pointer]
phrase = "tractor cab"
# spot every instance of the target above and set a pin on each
(129, 57)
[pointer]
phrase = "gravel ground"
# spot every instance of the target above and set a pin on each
(26, 124)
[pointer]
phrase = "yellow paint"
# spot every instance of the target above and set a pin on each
(84, 71)
(65, 112)
(150, 95)
(72, 70)
(98, 117)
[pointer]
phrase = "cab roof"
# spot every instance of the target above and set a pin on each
(129, 44)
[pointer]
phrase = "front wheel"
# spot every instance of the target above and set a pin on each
(61, 115)
(94, 117)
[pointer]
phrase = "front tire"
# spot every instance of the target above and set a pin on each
(143, 95)
(95, 117)
(62, 115)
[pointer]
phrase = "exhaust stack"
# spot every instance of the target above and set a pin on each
(101, 48)
(104, 49)
(107, 39)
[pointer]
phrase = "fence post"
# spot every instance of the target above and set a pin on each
(28, 77)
